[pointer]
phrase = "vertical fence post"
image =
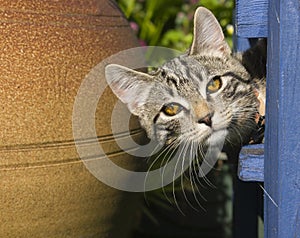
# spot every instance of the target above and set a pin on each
(282, 151)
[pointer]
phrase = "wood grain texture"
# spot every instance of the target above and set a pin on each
(251, 163)
(251, 18)
(282, 174)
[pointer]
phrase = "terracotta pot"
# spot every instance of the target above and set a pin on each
(47, 48)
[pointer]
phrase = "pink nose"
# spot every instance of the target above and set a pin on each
(206, 120)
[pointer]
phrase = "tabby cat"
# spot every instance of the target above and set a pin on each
(200, 97)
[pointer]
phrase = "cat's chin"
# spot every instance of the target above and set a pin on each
(217, 138)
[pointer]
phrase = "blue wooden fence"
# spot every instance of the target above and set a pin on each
(279, 21)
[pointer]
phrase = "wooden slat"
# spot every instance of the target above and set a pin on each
(282, 143)
(240, 44)
(251, 163)
(251, 18)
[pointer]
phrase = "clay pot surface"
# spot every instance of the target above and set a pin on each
(46, 50)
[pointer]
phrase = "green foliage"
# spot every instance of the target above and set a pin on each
(169, 23)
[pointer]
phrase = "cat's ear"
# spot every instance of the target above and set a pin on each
(130, 86)
(208, 34)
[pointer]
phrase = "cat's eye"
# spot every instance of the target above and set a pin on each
(214, 85)
(172, 109)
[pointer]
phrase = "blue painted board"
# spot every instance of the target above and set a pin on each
(251, 163)
(251, 19)
(240, 44)
(282, 141)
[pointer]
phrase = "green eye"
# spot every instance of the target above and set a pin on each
(172, 109)
(214, 85)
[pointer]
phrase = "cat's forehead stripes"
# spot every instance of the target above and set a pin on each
(185, 70)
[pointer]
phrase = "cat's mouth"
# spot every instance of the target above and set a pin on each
(208, 137)
(213, 133)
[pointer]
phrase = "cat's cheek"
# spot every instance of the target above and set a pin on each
(220, 122)
(160, 136)
(150, 132)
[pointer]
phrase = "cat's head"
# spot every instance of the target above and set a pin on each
(194, 96)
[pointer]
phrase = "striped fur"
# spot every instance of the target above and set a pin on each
(184, 81)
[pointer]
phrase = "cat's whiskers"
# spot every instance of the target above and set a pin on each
(182, 154)
(199, 159)
(184, 176)
(166, 150)
(193, 135)
(164, 155)
(247, 118)
(190, 177)
(205, 179)
(172, 149)
(192, 171)
(154, 151)
(167, 153)
(236, 103)
(191, 147)
(242, 117)
(237, 134)
(195, 189)
(201, 173)
(196, 159)
(158, 157)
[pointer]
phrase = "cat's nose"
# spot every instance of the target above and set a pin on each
(206, 120)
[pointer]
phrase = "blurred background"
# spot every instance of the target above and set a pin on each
(169, 23)
(196, 209)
